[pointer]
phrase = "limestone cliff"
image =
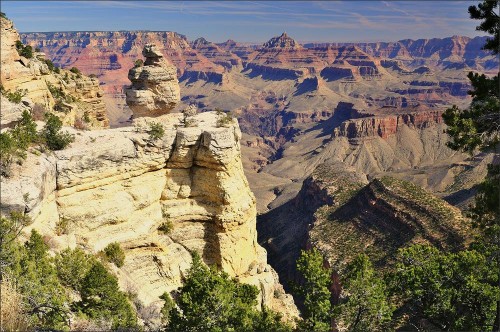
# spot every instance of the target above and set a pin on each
(120, 185)
(75, 98)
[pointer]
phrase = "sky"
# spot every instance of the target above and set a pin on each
(252, 21)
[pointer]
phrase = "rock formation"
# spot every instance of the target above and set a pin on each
(216, 54)
(155, 88)
(283, 42)
(119, 185)
(385, 126)
(342, 214)
(45, 87)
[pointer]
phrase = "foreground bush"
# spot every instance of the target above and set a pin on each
(211, 301)
(52, 135)
(103, 300)
(24, 50)
(114, 253)
(14, 143)
(33, 292)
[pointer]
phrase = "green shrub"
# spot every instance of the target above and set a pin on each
(210, 300)
(50, 64)
(62, 226)
(75, 70)
(167, 307)
(24, 50)
(86, 117)
(57, 70)
(7, 153)
(52, 135)
(25, 131)
(103, 300)
(2, 15)
(223, 119)
(115, 254)
(16, 96)
(38, 282)
(156, 131)
(15, 143)
(138, 63)
(55, 91)
(166, 227)
(72, 266)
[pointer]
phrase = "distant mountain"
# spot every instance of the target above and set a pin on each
(450, 49)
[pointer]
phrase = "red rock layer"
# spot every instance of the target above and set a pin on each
(385, 126)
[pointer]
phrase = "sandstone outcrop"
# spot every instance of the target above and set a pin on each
(75, 98)
(120, 185)
(155, 88)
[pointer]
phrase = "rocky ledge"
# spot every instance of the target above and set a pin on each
(122, 185)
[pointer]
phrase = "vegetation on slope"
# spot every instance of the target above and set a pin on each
(433, 283)
(14, 143)
(383, 216)
(211, 301)
(61, 292)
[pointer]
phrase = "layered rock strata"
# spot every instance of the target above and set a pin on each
(385, 126)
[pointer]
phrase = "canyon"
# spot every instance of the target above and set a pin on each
(268, 149)
(290, 97)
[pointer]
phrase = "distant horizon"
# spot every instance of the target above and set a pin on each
(301, 42)
(252, 22)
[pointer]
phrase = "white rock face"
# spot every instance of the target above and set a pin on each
(118, 185)
(155, 89)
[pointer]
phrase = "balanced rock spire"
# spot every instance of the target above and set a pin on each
(155, 89)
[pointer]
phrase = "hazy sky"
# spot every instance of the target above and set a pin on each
(252, 21)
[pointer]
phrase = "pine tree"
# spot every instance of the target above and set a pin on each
(453, 291)
(478, 127)
(315, 292)
(365, 306)
(211, 301)
(102, 298)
